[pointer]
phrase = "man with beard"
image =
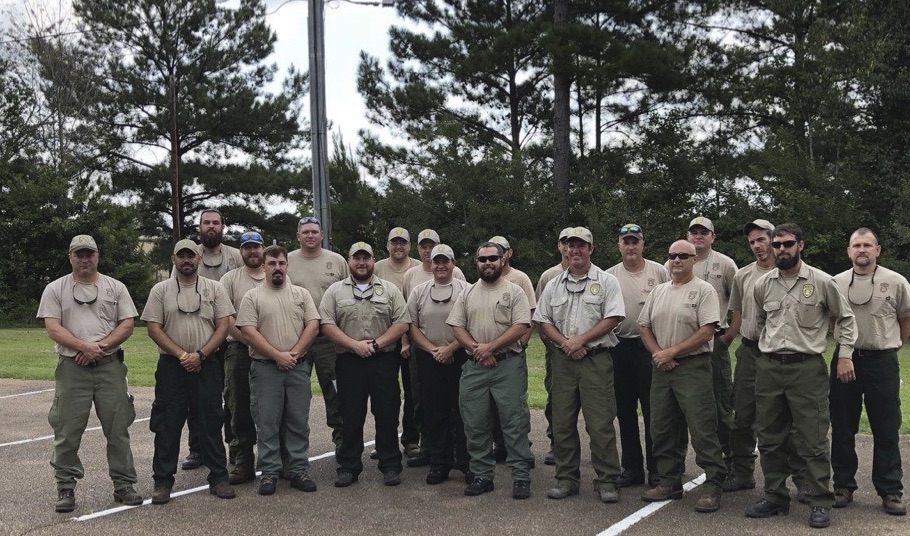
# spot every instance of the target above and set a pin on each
(314, 269)
(677, 325)
(794, 304)
(439, 358)
(217, 260)
(718, 270)
(488, 319)
(365, 316)
(236, 283)
(188, 318)
(578, 312)
(880, 299)
(89, 315)
(280, 322)
(632, 367)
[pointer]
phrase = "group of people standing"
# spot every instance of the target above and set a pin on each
(248, 327)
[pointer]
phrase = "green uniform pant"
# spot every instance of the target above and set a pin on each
(682, 397)
(237, 399)
(281, 399)
(322, 355)
(878, 384)
(742, 436)
(75, 389)
(506, 384)
(175, 391)
(723, 395)
(584, 385)
(793, 395)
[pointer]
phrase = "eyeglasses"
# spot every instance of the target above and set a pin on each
(862, 292)
(630, 228)
(488, 258)
(442, 300)
(361, 295)
(250, 237)
(198, 299)
(576, 287)
(207, 265)
(680, 256)
(86, 302)
(786, 244)
(309, 219)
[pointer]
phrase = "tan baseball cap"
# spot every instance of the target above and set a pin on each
(428, 234)
(501, 240)
(443, 250)
(83, 241)
(758, 224)
(702, 221)
(360, 246)
(399, 232)
(583, 233)
(564, 234)
(186, 244)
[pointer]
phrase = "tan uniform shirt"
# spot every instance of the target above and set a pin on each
(877, 321)
(89, 322)
(380, 306)
(522, 280)
(574, 305)
(429, 306)
(318, 273)
(203, 303)
(794, 319)
(719, 270)
(215, 266)
(546, 277)
(278, 314)
(486, 313)
(675, 313)
(635, 290)
(383, 269)
(236, 283)
(418, 275)
(742, 299)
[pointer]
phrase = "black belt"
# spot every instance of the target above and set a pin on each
(787, 359)
(105, 360)
(599, 350)
(237, 343)
(749, 342)
(505, 355)
(688, 357)
(871, 353)
(299, 360)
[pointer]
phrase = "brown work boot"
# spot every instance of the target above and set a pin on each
(222, 490)
(893, 505)
(127, 496)
(66, 501)
(842, 497)
(241, 474)
(161, 495)
(708, 502)
(663, 493)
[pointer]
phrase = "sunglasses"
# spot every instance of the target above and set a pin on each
(680, 256)
(489, 258)
(630, 228)
(309, 219)
(250, 237)
(785, 244)
(446, 299)
(189, 306)
(88, 301)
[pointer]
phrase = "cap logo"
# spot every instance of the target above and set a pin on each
(578, 231)
(398, 232)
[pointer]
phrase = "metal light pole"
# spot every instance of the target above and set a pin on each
(318, 126)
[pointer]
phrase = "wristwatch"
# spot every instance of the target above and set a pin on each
(202, 356)
(375, 346)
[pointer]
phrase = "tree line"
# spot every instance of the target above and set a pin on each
(515, 118)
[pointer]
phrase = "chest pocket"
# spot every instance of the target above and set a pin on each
(381, 307)
(502, 313)
(107, 310)
(687, 314)
(810, 315)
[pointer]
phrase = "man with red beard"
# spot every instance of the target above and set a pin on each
(795, 305)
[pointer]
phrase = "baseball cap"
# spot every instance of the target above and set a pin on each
(360, 246)
(185, 244)
(428, 234)
(444, 250)
(564, 234)
(399, 232)
(83, 241)
(631, 229)
(758, 224)
(702, 221)
(582, 233)
(251, 237)
(501, 240)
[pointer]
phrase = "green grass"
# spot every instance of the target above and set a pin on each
(27, 353)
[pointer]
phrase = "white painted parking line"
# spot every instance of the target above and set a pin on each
(111, 511)
(28, 393)
(44, 438)
(627, 522)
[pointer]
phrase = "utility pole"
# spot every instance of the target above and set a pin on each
(318, 126)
